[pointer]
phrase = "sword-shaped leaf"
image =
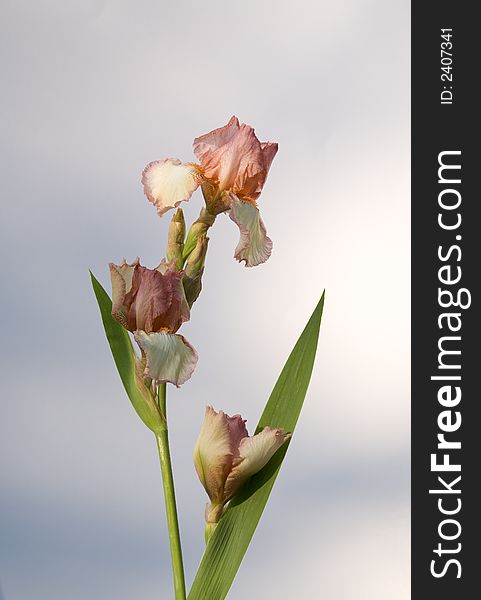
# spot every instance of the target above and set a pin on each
(125, 359)
(231, 538)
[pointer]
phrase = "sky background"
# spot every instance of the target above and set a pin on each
(93, 90)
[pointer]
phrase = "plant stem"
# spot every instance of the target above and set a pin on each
(170, 505)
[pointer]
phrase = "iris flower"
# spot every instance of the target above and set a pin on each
(225, 457)
(232, 170)
(151, 303)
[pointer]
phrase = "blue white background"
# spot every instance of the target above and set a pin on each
(93, 90)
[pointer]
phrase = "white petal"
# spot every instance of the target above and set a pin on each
(169, 182)
(170, 358)
(254, 246)
(255, 452)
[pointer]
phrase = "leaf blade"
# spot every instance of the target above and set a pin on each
(125, 361)
(228, 545)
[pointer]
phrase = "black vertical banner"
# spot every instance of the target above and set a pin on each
(446, 253)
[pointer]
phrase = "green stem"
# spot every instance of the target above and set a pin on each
(169, 494)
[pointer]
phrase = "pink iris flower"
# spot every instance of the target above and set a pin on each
(225, 457)
(151, 303)
(232, 170)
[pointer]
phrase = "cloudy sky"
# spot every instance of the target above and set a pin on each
(92, 91)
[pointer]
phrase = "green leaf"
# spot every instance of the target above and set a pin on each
(231, 538)
(125, 359)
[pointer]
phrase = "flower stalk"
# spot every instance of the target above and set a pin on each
(169, 494)
(152, 304)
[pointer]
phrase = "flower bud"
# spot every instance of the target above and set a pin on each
(194, 269)
(198, 229)
(225, 457)
(176, 237)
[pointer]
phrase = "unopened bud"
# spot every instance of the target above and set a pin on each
(224, 446)
(199, 228)
(196, 261)
(176, 236)
(194, 269)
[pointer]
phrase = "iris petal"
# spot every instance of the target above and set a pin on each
(254, 453)
(216, 448)
(254, 246)
(169, 182)
(169, 357)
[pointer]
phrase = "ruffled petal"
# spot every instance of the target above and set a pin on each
(121, 277)
(254, 246)
(148, 299)
(269, 150)
(237, 165)
(158, 300)
(169, 358)
(232, 158)
(205, 144)
(215, 448)
(169, 182)
(255, 452)
(237, 432)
